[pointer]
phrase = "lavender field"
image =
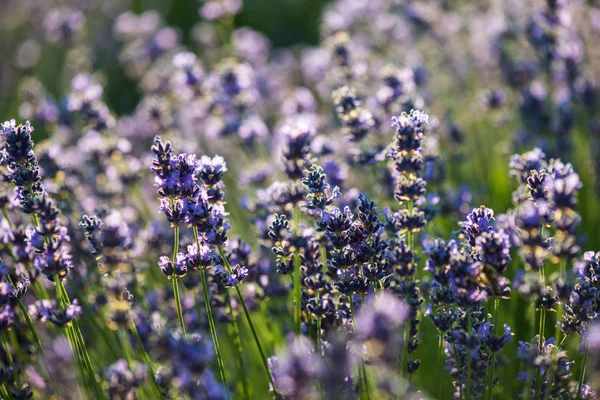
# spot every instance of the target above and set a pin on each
(296, 199)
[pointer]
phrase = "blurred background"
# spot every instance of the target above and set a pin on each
(26, 51)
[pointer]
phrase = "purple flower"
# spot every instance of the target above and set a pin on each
(177, 269)
(198, 258)
(478, 221)
(231, 279)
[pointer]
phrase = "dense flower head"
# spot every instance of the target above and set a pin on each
(198, 257)
(176, 269)
(523, 165)
(478, 221)
(281, 238)
(93, 232)
(231, 278)
(64, 25)
(397, 83)
(465, 277)
(17, 154)
(122, 380)
(378, 324)
(211, 170)
(409, 129)
(47, 310)
(7, 317)
(494, 250)
(552, 363)
(6, 293)
(318, 196)
(295, 369)
(438, 260)
(164, 166)
(297, 139)
(355, 117)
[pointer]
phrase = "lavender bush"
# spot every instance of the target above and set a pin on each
(300, 222)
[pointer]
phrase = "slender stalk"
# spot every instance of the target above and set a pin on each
(36, 338)
(560, 308)
(145, 357)
(493, 357)
(538, 380)
(249, 320)
(126, 346)
(360, 370)
(562, 342)
(81, 375)
(40, 290)
(211, 321)
(77, 337)
(366, 381)
(10, 360)
(5, 392)
(460, 387)
(110, 340)
(411, 243)
(269, 325)
(440, 364)
(583, 371)
(469, 356)
(238, 348)
(7, 217)
(175, 282)
(213, 331)
(547, 391)
(26, 315)
(297, 283)
(319, 339)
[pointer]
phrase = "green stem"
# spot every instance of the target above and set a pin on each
(411, 244)
(297, 283)
(126, 346)
(213, 330)
(268, 323)
(9, 357)
(40, 290)
(562, 342)
(178, 304)
(360, 369)
(145, 356)
(27, 317)
(174, 279)
(469, 356)
(366, 381)
(78, 337)
(460, 387)
(238, 348)
(81, 375)
(36, 338)
(493, 357)
(547, 391)
(538, 379)
(440, 364)
(249, 320)
(107, 336)
(5, 392)
(560, 310)
(319, 339)
(583, 371)
(7, 217)
(211, 322)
